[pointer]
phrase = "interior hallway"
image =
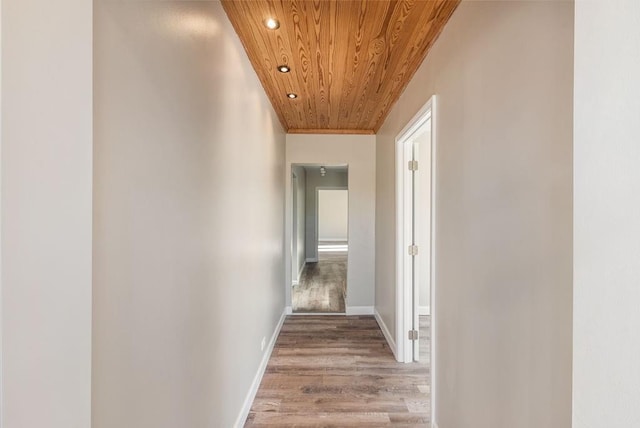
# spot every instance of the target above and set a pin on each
(145, 201)
(323, 285)
(339, 371)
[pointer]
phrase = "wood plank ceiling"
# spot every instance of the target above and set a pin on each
(349, 60)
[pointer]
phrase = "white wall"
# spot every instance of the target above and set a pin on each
(358, 152)
(334, 178)
(333, 215)
(46, 213)
(607, 215)
(503, 72)
(189, 208)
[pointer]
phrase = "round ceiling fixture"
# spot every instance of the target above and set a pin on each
(271, 23)
(284, 68)
(292, 95)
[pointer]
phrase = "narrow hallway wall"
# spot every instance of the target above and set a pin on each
(189, 208)
(606, 341)
(503, 75)
(46, 216)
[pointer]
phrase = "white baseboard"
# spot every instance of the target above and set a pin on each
(251, 395)
(312, 260)
(351, 310)
(359, 310)
(300, 270)
(317, 314)
(289, 311)
(424, 310)
(387, 335)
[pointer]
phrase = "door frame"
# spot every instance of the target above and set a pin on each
(289, 230)
(295, 276)
(404, 292)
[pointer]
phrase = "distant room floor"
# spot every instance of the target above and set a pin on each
(323, 285)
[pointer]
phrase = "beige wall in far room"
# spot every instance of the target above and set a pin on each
(503, 75)
(334, 178)
(333, 211)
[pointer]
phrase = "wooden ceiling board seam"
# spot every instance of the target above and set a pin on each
(392, 58)
(369, 93)
(324, 56)
(304, 62)
(262, 77)
(302, 69)
(372, 50)
(418, 32)
(448, 8)
(354, 49)
(314, 46)
(287, 82)
(337, 61)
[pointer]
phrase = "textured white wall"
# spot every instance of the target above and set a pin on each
(333, 215)
(189, 208)
(503, 73)
(46, 213)
(607, 215)
(358, 152)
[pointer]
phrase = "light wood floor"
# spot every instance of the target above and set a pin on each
(338, 371)
(323, 285)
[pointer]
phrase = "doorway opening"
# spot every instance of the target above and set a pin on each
(415, 285)
(320, 244)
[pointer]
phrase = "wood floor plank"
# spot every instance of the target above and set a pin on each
(338, 371)
(323, 285)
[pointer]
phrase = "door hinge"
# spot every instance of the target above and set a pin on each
(413, 250)
(413, 334)
(413, 165)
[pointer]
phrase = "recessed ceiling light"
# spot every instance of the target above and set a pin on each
(284, 68)
(292, 95)
(271, 23)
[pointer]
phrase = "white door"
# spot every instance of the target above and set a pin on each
(415, 244)
(417, 203)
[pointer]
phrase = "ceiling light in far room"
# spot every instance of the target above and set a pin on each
(284, 68)
(292, 95)
(323, 171)
(271, 23)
